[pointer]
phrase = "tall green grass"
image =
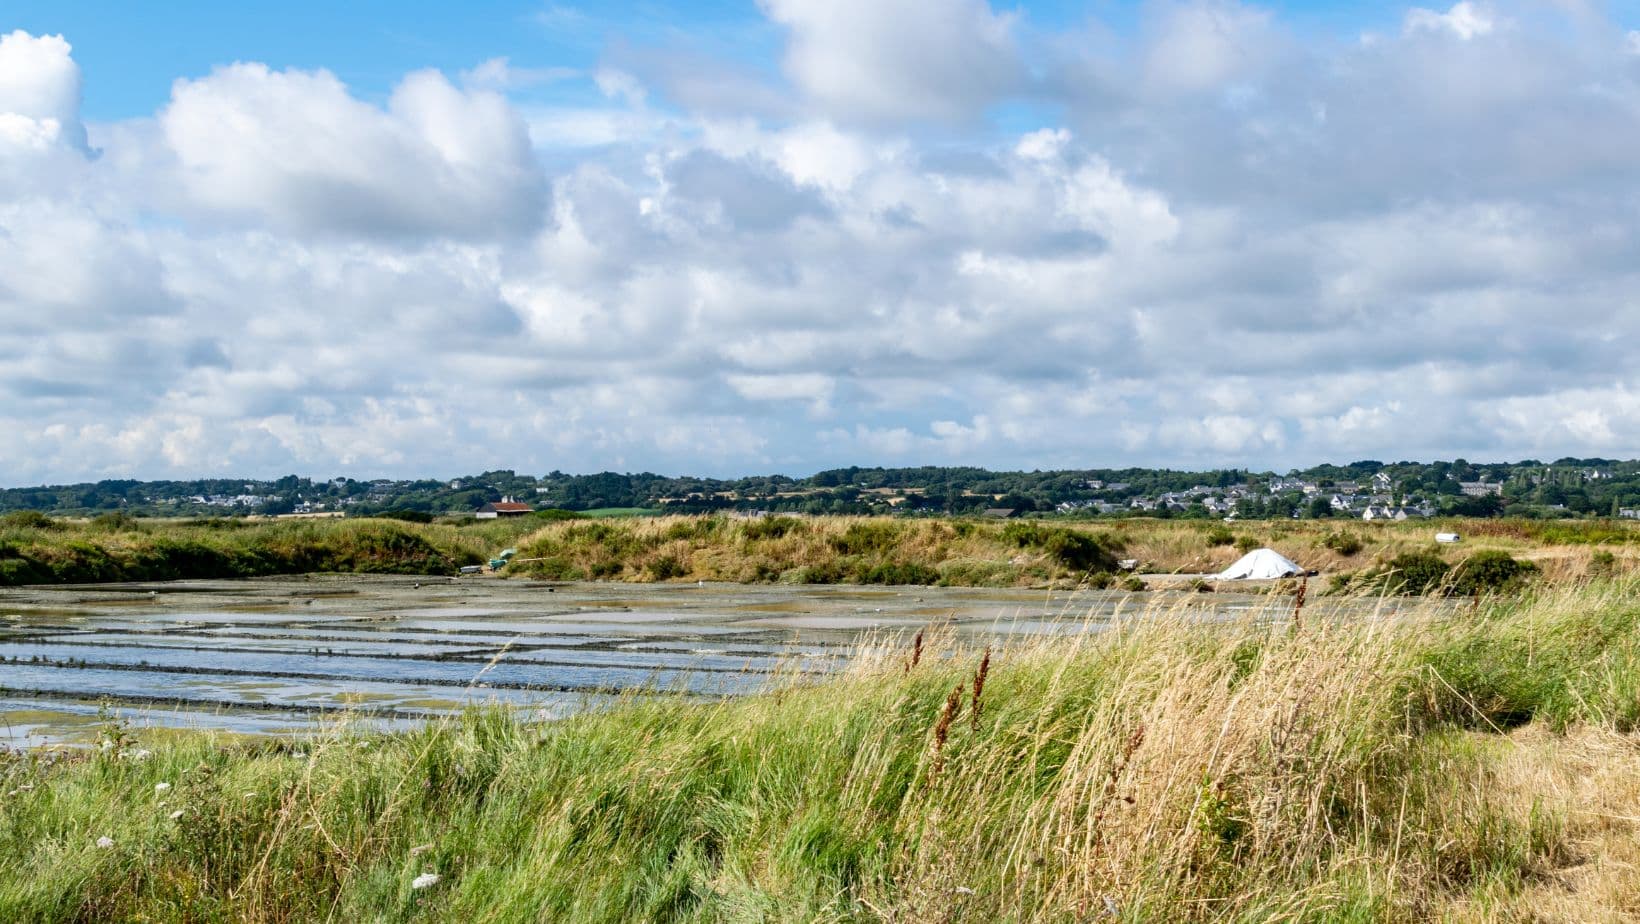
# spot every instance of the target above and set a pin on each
(1347, 768)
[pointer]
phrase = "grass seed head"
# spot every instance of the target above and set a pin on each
(980, 674)
(942, 727)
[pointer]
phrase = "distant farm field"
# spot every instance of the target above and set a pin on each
(602, 512)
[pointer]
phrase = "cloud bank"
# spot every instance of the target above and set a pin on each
(955, 235)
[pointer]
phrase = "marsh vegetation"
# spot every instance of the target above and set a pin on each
(804, 550)
(1470, 764)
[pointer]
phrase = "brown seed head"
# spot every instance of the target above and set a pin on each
(942, 727)
(978, 703)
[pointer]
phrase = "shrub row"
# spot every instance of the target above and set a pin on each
(96, 554)
(1486, 572)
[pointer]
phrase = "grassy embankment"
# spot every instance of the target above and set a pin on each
(799, 550)
(1472, 767)
(989, 553)
(38, 550)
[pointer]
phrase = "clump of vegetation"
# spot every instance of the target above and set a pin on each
(118, 521)
(406, 516)
(1602, 563)
(828, 573)
(690, 529)
(978, 573)
(27, 519)
(1071, 548)
(1219, 535)
(1414, 573)
(554, 514)
(1133, 583)
(666, 567)
(771, 527)
(557, 568)
(1245, 543)
(899, 573)
(869, 537)
(1341, 582)
(1345, 544)
(1490, 571)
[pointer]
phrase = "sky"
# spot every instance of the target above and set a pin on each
(405, 239)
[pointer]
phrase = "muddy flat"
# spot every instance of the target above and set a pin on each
(276, 656)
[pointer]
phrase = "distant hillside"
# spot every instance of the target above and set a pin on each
(1563, 488)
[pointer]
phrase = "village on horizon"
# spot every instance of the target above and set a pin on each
(1366, 490)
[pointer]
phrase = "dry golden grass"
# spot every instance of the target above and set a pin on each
(982, 553)
(1588, 782)
(800, 549)
(961, 552)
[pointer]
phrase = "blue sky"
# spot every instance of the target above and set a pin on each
(382, 239)
(131, 53)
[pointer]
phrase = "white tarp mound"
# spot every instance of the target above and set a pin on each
(1260, 563)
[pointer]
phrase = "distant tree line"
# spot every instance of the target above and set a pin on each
(1568, 487)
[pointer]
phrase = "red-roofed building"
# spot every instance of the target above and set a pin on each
(503, 508)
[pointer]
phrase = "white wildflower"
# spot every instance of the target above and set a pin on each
(162, 787)
(139, 754)
(105, 842)
(176, 814)
(425, 880)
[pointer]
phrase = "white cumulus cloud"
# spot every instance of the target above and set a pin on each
(39, 92)
(1465, 20)
(894, 59)
(1235, 244)
(296, 150)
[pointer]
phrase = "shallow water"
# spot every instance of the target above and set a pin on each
(275, 657)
